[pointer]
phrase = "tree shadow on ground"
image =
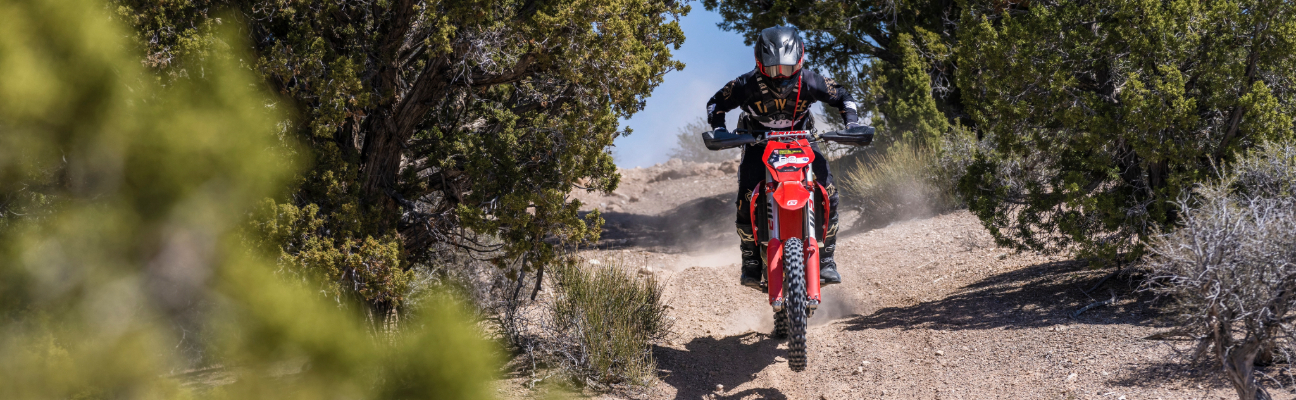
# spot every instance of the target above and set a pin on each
(707, 361)
(1203, 374)
(694, 225)
(1037, 296)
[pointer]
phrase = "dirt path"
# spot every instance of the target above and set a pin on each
(929, 309)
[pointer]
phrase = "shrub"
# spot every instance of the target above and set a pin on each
(1230, 266)
(598, 326)
(689, 146)
(903, 180)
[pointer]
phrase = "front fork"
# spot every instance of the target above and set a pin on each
(774, 259)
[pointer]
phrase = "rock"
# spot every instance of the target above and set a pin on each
(859, 370)
(720, 388)
(865, 362)
(594, 262)
(965, 348)
(940, 353)
(1071, 378)
(646, 270)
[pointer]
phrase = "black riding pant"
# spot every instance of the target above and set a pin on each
(751, 172)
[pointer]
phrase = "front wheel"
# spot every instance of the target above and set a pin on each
(794, 282)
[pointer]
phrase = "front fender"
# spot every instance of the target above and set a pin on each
(791, 195)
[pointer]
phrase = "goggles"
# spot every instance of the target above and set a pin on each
(781, 71)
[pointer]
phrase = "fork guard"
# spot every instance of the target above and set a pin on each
(775, 272)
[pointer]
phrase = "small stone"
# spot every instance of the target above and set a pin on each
(865, 362)
(940, 352)
(719, 388)
(1121, 398)
(965, 348)
(859, 370)
(1071, 378)
(594, 262)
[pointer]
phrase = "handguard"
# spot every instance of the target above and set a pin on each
(856, 136)
(725, 140)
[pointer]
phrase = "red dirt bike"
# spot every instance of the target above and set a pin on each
(789, 244)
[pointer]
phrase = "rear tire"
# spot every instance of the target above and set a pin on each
(794, 280)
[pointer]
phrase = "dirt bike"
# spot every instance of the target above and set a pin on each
(789, 244)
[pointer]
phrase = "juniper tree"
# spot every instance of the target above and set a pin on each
(1101, 113)
(434, 126)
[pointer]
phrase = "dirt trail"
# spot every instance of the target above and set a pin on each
(929, 309)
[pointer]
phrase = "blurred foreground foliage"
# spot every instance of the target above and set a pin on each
(430, 127)
(122, 265)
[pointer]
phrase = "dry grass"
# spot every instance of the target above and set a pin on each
(595, 328)
(905, 181)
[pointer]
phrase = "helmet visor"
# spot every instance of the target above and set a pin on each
(782, 71)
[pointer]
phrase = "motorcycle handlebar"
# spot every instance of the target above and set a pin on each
(857, 136)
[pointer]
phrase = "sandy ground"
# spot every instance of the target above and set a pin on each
(930, 309)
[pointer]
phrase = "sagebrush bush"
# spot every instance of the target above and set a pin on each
(598, 326)
(1229, 267)
(689, 146)
(904, 180)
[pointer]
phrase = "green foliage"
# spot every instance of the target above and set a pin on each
(121, 257)
(1100, 114)
(689, 146)
(433, 126)
(896, 58)
(905, 180)
(609, 318)
(908, 109)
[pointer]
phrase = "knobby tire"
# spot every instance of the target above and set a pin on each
(794, 281)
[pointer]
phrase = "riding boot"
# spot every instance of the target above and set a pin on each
(827, 266)
(751, 262)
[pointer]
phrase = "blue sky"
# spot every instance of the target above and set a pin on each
(712, 57)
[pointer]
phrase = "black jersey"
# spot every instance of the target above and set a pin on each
(773, 103)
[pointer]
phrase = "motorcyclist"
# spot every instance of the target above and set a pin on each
(777, 96)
